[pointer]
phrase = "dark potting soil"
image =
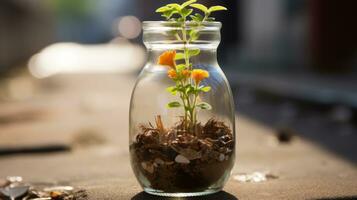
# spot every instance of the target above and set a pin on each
(177, 160)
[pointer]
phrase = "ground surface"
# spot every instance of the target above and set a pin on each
(90, 115)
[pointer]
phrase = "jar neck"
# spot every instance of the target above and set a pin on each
(175, 35)
(183, 37)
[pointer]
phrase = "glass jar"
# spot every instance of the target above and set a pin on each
(176, 152)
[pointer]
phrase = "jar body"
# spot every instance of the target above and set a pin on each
(168, 158)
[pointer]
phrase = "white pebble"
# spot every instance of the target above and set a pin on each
(159, 161)
(148, 167)
(182, 159)
(221, 157)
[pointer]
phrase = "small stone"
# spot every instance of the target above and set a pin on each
(55, 194)
(14, 179)
(182, 159)
(148, 167)
(285, 135)
(14, 192)
(254, 177)
(143, 165)
(58, 188)
(221, 157)
(169, 163)
(159, 161)
(190, 154)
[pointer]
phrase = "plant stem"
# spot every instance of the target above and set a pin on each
(194, 107)
(185, 105)
(187, 63)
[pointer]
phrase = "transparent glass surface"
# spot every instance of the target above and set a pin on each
(168, 159)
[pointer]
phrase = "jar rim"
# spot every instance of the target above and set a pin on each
(149, 25)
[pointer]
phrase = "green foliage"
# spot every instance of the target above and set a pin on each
(199, 6)
(180, 67)
(205, 89)
(172, 90)
(216, 8)
(179, 56)
(174, 104)
(187, 3)
(197, 17)
(193, 52)
(204, 106)
(168, 11)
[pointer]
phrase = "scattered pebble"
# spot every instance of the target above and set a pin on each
(14, 179)
(58, 188)
(55, 194)
(13, 187)
(182, 159)
(159, 161)
(221, 157)
(14, 192)
(254, 177)
(190, 154)
(148, 167)
(285, 135)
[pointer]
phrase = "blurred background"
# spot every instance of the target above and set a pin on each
(292, 64)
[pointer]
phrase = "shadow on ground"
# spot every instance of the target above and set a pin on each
(329, 125)
(216, 196)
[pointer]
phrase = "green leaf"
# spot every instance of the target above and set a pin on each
(189, 89)
(204, 106)
(179, 56)
(186, 12)
(216, 8)
(193, 52)
(197, 17)
(163, 9)
(168, 14)
(206, 89)
(180, 67)
(174, 6)
(210, 19)
(193, 35)
(172, 90)
(187, 3)
(194, 18)
(174, 104)
(180, 88)
(200, 7)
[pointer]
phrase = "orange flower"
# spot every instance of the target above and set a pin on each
(186, 73)
(167, 58)
(172, 74)
(199, 74)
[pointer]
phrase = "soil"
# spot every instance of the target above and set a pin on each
(178, 160)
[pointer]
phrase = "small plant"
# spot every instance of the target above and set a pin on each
(188, 80)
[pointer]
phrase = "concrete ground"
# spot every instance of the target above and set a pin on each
(89, 114)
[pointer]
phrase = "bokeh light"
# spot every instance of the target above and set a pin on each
(78, 58)
(129, 27)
